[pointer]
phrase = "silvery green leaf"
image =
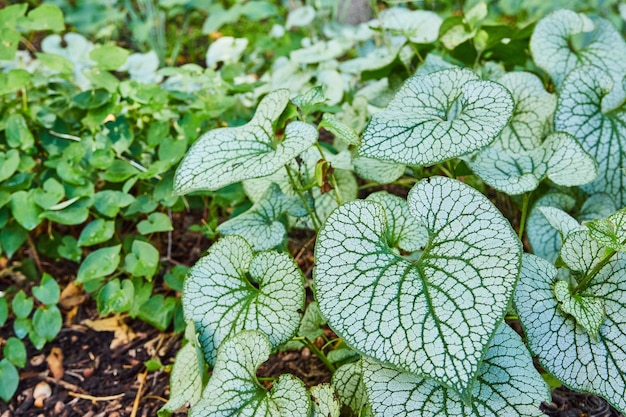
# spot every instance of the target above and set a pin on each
(325, 401)
(532, 115)
(332, 83)
(309, 98)
(348, 381)
(186, 377)
(580, 252)
(419, 26)
(260, 225)
(560, 220)
(284, 74)
(565, 40)
(377, 170)
(403, 230)
(378, 58)
(301, 16)
(587, 310)
(436, 117)
(433, 316)
(433, 63)
(560, 158)
(320, 51)
(597, 206)
(507, 385)
(339, 129)
(226, 49)
(564, 348)
(228, 155)
(231, 289)
(579, 112)
(611, 231)
(233, 389)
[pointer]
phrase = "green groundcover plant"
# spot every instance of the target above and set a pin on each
(419, 291)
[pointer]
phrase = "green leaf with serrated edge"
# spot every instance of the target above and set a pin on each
(325, 401)
(339, 129)
(231, 289)
(437, 117)
(9, 380)
(186, 376)
(99, 264)
(560, 158)
(610, 232)
(383, 172)
(156, 222)
(566, 40)
(48, 291)
(97, 231)
(47, 322)
(233, 389)
(15, 351)
(602, 134)
(565, 349)
(507, 385)
(532, 114)
(348, 381)
(587, 310)
(228, 155)
(432, 317)
(403, 230)
(260, 225)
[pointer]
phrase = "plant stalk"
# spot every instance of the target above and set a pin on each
(522, 221)
(591, 275)
(312, 214)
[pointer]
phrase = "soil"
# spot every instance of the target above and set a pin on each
(103, 373)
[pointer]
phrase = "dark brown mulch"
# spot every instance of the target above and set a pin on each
(568, 403)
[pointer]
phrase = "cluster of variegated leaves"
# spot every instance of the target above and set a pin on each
(419, 287)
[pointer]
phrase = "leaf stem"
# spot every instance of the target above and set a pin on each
(587, 278)
(320, 354)
(522, 221)
(312, 213)
(333, 180)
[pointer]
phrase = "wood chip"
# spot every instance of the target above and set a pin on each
(55, 362)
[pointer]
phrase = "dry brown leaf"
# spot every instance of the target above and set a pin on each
(71, 296)
(55, 362)
(122, 333)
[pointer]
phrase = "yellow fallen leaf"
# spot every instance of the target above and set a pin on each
(122, 333)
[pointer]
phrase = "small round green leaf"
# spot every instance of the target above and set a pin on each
(565, 348)
(507, 385)
(15, 351)
(434, 316)
(156, 222)
(437, 117)
(143, 260)
(99, 264)
(9, 380)
(48, 291)
(231, 289)
(97, 231)
(233, 389)
(47, 322)
(22, 305)
(228, 155)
